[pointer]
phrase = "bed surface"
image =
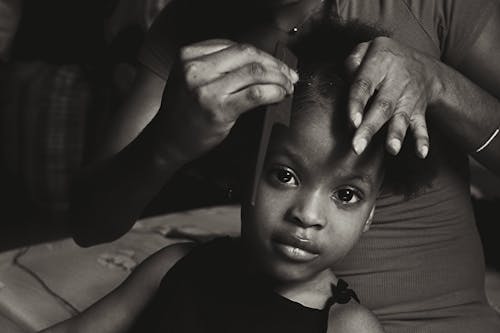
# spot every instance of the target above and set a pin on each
(46, 283)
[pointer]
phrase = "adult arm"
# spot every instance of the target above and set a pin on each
(480, 96)
(118, 310)
(214, 82)
(463, 100)
(109, 194)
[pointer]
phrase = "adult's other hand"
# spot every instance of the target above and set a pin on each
(400, 83)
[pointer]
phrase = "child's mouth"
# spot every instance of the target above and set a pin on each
(295, 248)
(294, 253)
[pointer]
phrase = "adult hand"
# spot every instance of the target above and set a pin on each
(400, 83)
(216, 81)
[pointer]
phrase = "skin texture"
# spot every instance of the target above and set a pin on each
(115, 313)
(213, 93)
(201, 111)
(402, 96)
(353, 317)
(109, 197)
(313, 187)
(407, 84)
(316, 195)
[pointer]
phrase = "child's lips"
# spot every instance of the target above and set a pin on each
(295, 247)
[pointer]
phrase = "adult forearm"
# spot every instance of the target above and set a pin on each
(468, 114)
(110, 195)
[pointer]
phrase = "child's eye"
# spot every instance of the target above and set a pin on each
(285, 176)
(347, 196)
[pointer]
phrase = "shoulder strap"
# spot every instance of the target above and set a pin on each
(341, 294)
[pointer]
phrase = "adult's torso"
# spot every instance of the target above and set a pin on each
(423, 257)
(421, 266)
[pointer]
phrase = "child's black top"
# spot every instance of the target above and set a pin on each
(209, 290)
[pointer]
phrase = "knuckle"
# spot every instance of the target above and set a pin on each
(420, 131)
(283, 67)
(422, 137)
(397, 133)
(362, 86)
(191, 69)
(369, 130)
(386, 107)
(213, 116)
(254, 94)
(256, 69)
(202, 95)
(419, 124)
(403, 118)
(247, 49)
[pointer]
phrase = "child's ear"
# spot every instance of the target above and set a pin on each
(368, 222)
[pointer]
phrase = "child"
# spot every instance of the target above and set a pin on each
(315, 199)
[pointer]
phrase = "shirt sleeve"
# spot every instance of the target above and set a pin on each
(162, 40)
(461, 22)
(10, 14)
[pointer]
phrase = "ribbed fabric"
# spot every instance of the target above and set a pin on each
(421, 266)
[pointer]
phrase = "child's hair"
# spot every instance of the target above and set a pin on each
(321, 51)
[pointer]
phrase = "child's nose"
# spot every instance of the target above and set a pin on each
(308, 211)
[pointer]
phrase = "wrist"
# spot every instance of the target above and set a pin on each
(162, 150)
(168, 155)
(437, 82)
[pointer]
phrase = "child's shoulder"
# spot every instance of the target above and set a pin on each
(190, 262)
(353, 317)
(153, 268)
(171, 255)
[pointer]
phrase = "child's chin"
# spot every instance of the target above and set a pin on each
(288, 273)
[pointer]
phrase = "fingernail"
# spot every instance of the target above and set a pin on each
(360, 145)
(395, 145)
(294, 75)
(424, 150)
(356, 119)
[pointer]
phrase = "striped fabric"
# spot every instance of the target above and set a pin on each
(10, 13)
(43, 114)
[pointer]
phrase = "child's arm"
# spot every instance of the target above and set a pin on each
(118, 310)
(353, 317)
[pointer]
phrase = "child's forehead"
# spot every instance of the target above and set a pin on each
(321, 120)
(317, 135)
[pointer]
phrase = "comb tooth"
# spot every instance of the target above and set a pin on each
(276, 113)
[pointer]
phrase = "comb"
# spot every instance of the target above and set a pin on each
(274, 113)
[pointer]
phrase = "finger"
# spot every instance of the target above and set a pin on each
(398, 126)
(210, 67)
(251, 74)
(370, 75)
(252, 97)
(418, 126)
(381, 110)
(354, 60)
(196, 50)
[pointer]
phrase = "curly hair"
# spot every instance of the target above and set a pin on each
(322, 51)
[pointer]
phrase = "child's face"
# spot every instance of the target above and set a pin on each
(315, 199)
